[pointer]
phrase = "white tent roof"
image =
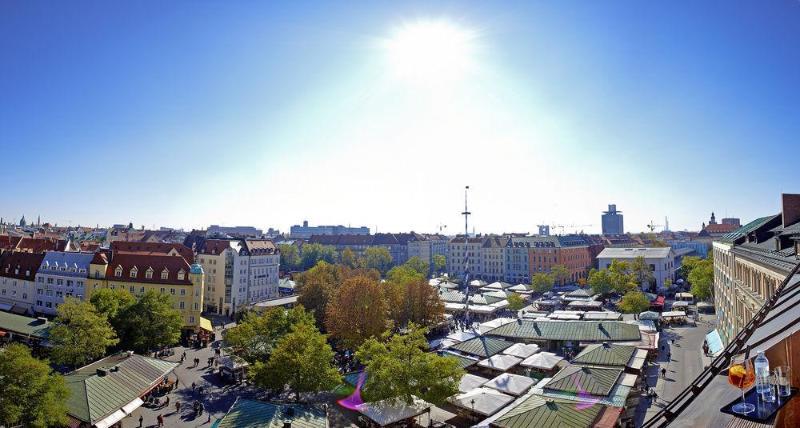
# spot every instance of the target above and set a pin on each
(497, 322)
(470, 382)
(450, 306)
(605, 315)
(500, 362)
(387, 412)
(485, 401)
(519, 287)
(680, 304)
(463, 336)
(512, 384)
(684, 296)
(485, 309)
(522, 350)
(542, 360)
(672, 314)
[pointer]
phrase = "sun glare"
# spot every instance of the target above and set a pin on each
(430, 51)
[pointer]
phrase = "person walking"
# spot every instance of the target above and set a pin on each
(141, 419)
(177, 407)
(160, 420)
(663, 373)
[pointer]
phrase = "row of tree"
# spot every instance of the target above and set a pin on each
(377, 258)
(113, 318)
(31, 394)
(621, 277)
(700, 275)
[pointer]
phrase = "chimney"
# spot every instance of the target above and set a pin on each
(790, 208)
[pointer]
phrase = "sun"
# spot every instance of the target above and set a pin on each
(430, 51)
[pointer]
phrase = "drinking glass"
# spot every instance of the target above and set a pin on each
(741, 374)
(783, 379)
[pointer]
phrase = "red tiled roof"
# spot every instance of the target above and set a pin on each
(40, 245)
(153, 248)
(17, 264)
(721, 228)
(260, 246)
(100, 258)
(214, 246)
(142, 262)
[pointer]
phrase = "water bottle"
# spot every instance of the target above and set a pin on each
(763, 385)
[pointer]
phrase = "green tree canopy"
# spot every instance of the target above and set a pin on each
(411, 299)
(316, 287)
(640, 271)
(398, 367)
(634, 302)
(600, 281)
(560, 274)
(621, 277)
(542, 282)
(110, 302)
(257, 335)
(378, 258)
(418, 265)
(312, 254)
(515, 302)
(79, 334)
(349, 258)
(301, 362)
(701, 278)
(357, 312)
(31, 394)
(439, 263)
(151, 323)
(290, 257)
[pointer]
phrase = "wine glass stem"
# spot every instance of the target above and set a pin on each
(743, 401)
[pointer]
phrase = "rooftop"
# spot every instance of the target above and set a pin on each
(258, 414)
(582, 331)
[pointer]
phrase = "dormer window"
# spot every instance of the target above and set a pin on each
(181, 275)
(165, 274)
(134, 272)
(118, 272)
(149, 273)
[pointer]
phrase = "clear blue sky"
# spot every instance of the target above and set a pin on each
(191, 113)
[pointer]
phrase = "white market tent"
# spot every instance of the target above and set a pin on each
(434, 281)
(511, 384)
(498, 285)
(519, 288)
(638, 359)
(649, 315)
(470, 382)
(484, 401)
(522, 350)
(454, 307)
(602, 316)
(500, 362)
(478, 283)
(679, 305)
(387, 412)
(542, 360)
(463, 336)
(594, 304)
(673, 314)
(684, 296)
(566, 315)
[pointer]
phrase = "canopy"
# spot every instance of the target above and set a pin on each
(603, 315)
(133, 405)
(463, 336)
(470, 382)
(484, 401)
(500, 362)
(522, 350)
(519, 287)
(205, 324)
(387, 412)
(110, 419)
(687, 296)
(649, 315)
(680, 305)
(542, 360)
(673, 314)
(658, 301)
(511, 384)
(714, 343)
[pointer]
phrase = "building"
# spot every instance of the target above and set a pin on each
(61, 275)
(493, 258)
(233, 231)
(465, 253)
(612, 221)
(750, 263)
(263, 261)
(426, 247)
(18, 281)
(661, 261)
(575, 255)
(305, 231)
(732, 220)
(224, 263)
(396, 243)
(141, 267)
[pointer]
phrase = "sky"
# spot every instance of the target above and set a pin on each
(186, 114)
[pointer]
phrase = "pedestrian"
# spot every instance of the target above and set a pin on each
(673, 340)
(166, 403)
(663, 373)
(669, 356)
(160, 420)
(141, 419)
(209, 418)
(177, 407)
(193, 386)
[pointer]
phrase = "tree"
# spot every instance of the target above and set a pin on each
(641, 272)
(257, 335)
(357, 312)
(418, 265)
(316, 286)
(349, 259)
(621, 277)
(79, 334)
(290, 257)
(687, 264)
(398, 367)
(411, 299)
(378, 258)
(301, 361)
(151, 323)
(542, 282)
(600, 281)
(701, 278)
(560, 274)
(439, 263)
(314, 253)
(634, 302)
(30, 393)
(111, 303)
(515, 302)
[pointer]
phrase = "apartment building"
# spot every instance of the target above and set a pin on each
(661, 261)
(465, 253)
(60, 275)
(18, 281)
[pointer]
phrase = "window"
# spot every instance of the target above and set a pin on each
(163, 290)
(39, 291)
(118, 272)
(180, 275)
(164, 274)
(172, 291)
(69, 283)
(59, 281)
(183, 291)
(134, 272)
(24, 295)
(182, 306)
(38, 303)
(49, 280)
(149, 273)
(141, 290)
(41, 279)
(48, 305)
(80, 283)
(132, 289)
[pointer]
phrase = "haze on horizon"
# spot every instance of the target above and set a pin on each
(189, 114)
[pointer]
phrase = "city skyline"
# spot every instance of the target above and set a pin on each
(269, 115)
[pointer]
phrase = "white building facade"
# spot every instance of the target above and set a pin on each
(61, 275)
(661, 261)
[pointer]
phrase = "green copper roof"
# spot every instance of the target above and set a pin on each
(582, 331)
(24, 325)
(605, 355)
(540, 412)
(579, 379)
(747, 228)
(463, 361)
(482, 346)
(252, 414)
(93, 396)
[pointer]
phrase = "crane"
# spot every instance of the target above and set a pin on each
(653, 227)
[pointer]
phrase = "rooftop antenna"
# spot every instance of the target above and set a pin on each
(466, 215)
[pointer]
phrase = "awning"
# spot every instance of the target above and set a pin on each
(110, 419)
(205, 324)
(5, 307)
(133, 405)
(714, 343)
(659, 301)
